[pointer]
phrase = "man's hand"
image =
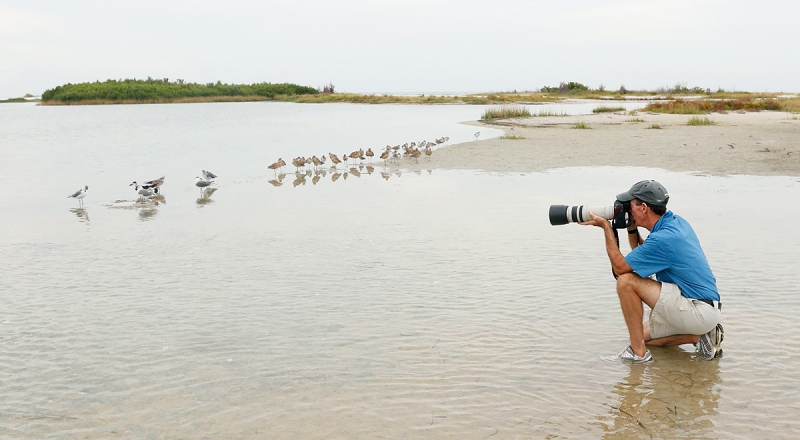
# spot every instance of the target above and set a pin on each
(596, 221)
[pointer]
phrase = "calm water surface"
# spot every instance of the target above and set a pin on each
(375, 303)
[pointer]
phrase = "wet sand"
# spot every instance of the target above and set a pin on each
(762, 144)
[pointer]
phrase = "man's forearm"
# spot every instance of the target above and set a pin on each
(618, 263)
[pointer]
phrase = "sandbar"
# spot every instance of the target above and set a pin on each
(757, 143)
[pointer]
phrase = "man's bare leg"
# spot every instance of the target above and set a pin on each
(667, 341)
(633, 290)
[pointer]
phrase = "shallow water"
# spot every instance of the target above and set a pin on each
(376, 303)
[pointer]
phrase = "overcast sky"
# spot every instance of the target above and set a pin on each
(404, 46)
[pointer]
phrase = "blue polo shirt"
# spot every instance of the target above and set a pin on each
(672, 252)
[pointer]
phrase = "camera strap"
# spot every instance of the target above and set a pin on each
(616, 238)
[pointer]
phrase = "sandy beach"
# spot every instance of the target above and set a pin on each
(765, 144)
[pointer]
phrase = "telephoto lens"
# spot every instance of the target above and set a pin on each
(563, 214)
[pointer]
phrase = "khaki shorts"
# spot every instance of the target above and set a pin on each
(675, 314)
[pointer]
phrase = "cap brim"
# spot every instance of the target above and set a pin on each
(625, 197)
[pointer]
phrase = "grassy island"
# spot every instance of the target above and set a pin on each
(135, 91)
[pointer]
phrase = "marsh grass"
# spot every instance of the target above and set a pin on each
(605, 109)
(634, 120)
(696, 120)
(791, 105)
(547, 113)
(581, 125)
(506, 111)
(654, 127)
(512, 137)
(705, 106)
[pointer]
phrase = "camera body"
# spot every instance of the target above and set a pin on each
(618, 214)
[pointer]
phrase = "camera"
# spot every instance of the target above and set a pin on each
(618, 213)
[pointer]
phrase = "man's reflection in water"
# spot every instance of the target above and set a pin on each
(670, 398)
(205, 197)
(81, 213)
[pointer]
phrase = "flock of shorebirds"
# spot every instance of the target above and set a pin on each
(394, 153)
(413, 150)
(151, 188)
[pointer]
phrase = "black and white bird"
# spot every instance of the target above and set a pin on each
(79, 194)
(150, 184)
(145, 193)
(202, 183)
(208, 175)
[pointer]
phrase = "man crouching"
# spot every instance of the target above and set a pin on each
(684, 301)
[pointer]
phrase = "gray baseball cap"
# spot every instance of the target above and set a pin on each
(648, 191)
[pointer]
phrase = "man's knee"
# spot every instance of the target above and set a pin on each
(625, 281)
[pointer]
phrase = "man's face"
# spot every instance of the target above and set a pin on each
(638, 210)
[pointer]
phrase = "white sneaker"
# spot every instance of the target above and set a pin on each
(708, 347)
(628, 355)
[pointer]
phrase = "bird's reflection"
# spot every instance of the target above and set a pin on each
(205, 197)
(147, 213)
(278, 180)
(81, 213)
(158, 198)
(301, 177)
(673, 398)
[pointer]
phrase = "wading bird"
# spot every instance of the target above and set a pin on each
(79, 194)
(202, 183)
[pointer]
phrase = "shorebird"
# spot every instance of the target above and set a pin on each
(208, 175)
(202, 183)
(315, 160)
(79, 194)
(155, 183)
(145, 193)
(428, 152)
(334, 159)
(150, 184)
(385, 155)
(416, 154)
(369, 154)
(277, 165)
(299, 162)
